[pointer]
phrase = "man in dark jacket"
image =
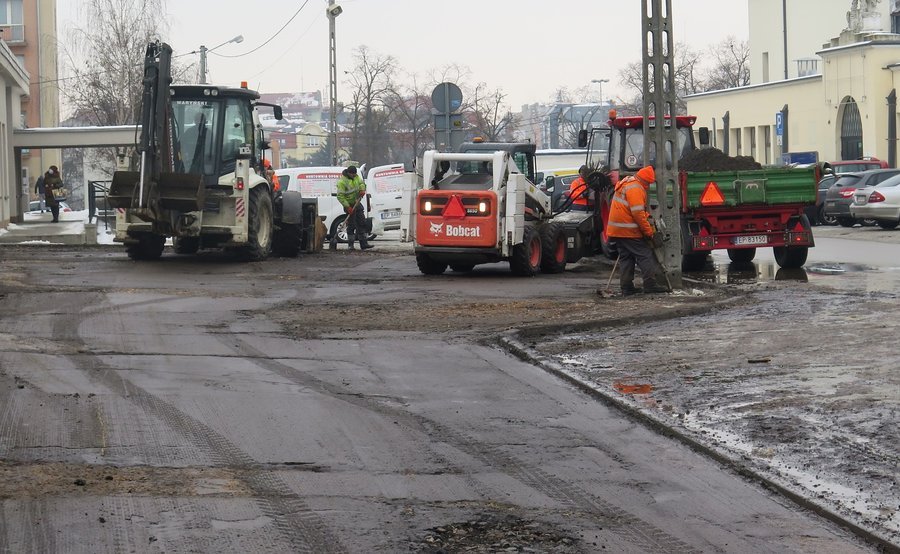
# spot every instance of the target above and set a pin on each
(39, 191)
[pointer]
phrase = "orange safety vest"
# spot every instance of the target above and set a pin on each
(577, 190)
(628, 212)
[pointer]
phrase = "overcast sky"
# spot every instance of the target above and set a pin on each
(529, 48)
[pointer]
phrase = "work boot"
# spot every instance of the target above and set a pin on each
(651, 287)
(629, 290)
(364, 244)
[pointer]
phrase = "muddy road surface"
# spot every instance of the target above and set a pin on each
(344, 403)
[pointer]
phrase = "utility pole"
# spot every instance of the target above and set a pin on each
(203, 51)
(660, 133)
(333, 10)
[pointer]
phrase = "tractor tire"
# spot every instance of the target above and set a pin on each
(790, 257)
(553, 248)
(888, 224)
(288, 240)
(741, 255)
(429, 266)
(462, 268)
(186, 245)
(526, 257)
(149, 247)
(261, 228)
(694, 262)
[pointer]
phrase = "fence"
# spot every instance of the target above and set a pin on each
(98, 205)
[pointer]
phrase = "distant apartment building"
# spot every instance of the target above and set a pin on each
(28, 27)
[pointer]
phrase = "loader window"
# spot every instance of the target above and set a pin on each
(193, 125)
(238, 131)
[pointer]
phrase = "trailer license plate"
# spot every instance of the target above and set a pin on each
(390, 215)
(752, 239)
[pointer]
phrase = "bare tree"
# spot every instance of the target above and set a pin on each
(688, 79)
(411, 106)
(731, 66)
(371, 84)
(489, 115)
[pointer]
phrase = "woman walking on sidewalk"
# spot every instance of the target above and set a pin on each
(52, 181)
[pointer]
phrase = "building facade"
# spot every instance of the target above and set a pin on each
(14, 82)
(29, 29)
(840, 109)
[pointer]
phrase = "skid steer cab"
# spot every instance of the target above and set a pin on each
(478, 206)
(200, 178)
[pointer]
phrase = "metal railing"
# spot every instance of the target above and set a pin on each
(98, 205)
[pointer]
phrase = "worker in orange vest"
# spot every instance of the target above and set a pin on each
(629, 225)
(579, 191)
(270, 175)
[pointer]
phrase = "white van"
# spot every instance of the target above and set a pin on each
(321, 183)
(385, 184)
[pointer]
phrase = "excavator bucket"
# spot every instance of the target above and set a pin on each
(183, 192)
(122, 189)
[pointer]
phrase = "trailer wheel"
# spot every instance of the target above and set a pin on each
(428, 265)
(553, 248)
(186, 245)
(741, 255)
(260, 230)
(694, 262)
(790, 257)
(526, 257)
(287, 240)
(148, 247)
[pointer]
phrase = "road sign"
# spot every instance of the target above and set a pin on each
(446, 98)
(779, 125)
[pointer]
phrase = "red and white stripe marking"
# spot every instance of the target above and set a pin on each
(239, 207)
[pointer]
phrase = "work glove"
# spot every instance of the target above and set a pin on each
(656, 241)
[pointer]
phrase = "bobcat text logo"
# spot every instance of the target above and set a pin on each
(460, 231)
(436, 229)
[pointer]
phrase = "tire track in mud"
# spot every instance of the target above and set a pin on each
(641, 534)
(296, 522)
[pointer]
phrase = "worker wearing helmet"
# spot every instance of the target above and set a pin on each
(630, 226)
(351, 189)
(579, 191)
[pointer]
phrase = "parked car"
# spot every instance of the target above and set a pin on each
(855, 166)
(34, 208)
(881, 203)
(840, 195)
(816, 213)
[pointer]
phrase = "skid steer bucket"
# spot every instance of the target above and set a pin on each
(183, 192)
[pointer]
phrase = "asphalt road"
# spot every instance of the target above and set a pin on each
(194, 405)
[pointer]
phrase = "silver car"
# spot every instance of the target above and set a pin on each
(881, 203)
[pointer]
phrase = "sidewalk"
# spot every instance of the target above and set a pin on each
(72, 229)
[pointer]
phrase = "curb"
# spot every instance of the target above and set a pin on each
(510, 343)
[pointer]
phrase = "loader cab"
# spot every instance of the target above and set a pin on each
(522, 153)
(626, 142)
(209, 124)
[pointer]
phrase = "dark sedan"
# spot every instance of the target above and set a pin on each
(840, 195)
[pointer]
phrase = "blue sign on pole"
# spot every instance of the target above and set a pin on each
(779, 124)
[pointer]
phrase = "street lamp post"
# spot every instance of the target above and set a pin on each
(332, 11)
(600, 82)
(203, 52)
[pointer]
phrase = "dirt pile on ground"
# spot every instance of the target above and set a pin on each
(713, 159)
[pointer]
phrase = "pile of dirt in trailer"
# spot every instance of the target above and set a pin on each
(713, 159)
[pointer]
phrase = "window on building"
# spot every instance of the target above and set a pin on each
(312, 140)
(11, 20)
(895, 22)
(21, 59)
(765, 67)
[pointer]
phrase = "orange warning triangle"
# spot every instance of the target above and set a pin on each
(454, 208)
(712, 196)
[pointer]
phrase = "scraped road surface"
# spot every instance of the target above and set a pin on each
(185, 406)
